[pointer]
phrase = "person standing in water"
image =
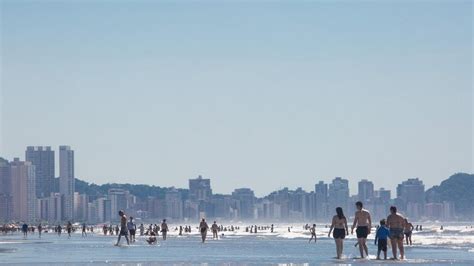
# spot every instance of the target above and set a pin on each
(364, 224)
(408, 231)
(203, 227)
(396, 224)
(24, 229)
(40, 230)
(142, 229)
(312, 230)
(59, 229)
(381, 236)
(84, 228)
(132, 228)
(123, 228)
(271, 229)
(214, 229)
(339, 224)
(69, 229)
(164, 229)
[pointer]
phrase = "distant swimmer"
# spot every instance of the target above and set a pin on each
(59, 230)
(24, 229)
(441, 228)
(255, 230)
(164, 229)
(289, 229)
(84, 227)
(396, 224)
(132, 228)
(312, 230)
(69, 229)
(203, 227)
(339, 224)
(180, 230)
(408, 231)
(123, 228)
(364, 224)
(40, 229)
(214, 229)
(152, 239)
(382, 236)
(271, 229)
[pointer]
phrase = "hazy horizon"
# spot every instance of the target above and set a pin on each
(259, 95)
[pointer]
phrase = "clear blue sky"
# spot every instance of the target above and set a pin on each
(262, 95)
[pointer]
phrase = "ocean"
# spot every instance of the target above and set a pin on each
(452, 246)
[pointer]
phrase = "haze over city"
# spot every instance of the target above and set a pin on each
(272, 96)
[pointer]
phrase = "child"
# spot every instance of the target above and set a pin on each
(382, 235)
(152, 239)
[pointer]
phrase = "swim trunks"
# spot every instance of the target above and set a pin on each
(396, 233)
(339, 233)
(362, 231)
(382, 244)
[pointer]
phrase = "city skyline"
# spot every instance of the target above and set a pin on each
(260, 95)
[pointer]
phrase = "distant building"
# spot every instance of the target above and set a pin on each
(43, 160)
(118, 201)
(338, 194)
(81, 203)
(383, 194)
(23, 190)
(174, 204)
(5, 191)
(55, 208)
(200, 189)
(366, 190)
(411, 197)
(321, 195)
(245, 199)
(66, 181)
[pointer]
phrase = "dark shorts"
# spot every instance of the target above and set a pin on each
(382, 244)
(339, 233)
(396, 233)
(362, 231)
(132, 232)
(123, 232)
(407, 234)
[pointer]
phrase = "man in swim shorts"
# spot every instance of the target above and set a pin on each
(396, 224)
(364, 223)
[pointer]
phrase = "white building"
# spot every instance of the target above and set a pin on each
(66, 181)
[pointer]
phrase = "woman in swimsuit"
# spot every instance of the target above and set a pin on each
(339, 224)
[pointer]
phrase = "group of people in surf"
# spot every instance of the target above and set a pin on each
(394, 229)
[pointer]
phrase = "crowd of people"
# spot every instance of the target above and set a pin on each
(393, 230)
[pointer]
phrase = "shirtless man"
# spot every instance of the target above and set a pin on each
(123, 228)
(203, 227)
(214, 229)
(364, 224)
(396, 224)
(164, 229)
(408, 230)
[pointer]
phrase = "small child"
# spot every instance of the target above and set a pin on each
(152, 239)
(382, 235)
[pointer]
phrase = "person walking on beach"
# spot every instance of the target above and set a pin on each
(40, 230)
(312, 230)
(132, 228)
(123, 228)
(381, 236)
(203, 227)
(84, 228)
(271, 229)
(24, 229)
(142, 229)
(396, 224)
(69, 229)
(164, 229)
(214, 229)
(339, 224)
(59, 230)
(364, 224)
(408, 231)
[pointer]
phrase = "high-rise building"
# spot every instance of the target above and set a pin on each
(200, 189)
(118, 201)
(55, 208)
(174, 204)
(383, 194)
(81, 202)
(23, 188)
(411, 197)
(366, 190)
(321, 195)
(245, 200)
(5, 191)
(338, 194)
(43, 160)
(66, 181)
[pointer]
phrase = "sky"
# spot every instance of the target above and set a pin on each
(262, 94)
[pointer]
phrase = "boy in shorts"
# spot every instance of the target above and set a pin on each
(381, 236)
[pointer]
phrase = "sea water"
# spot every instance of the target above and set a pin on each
(454, 245)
